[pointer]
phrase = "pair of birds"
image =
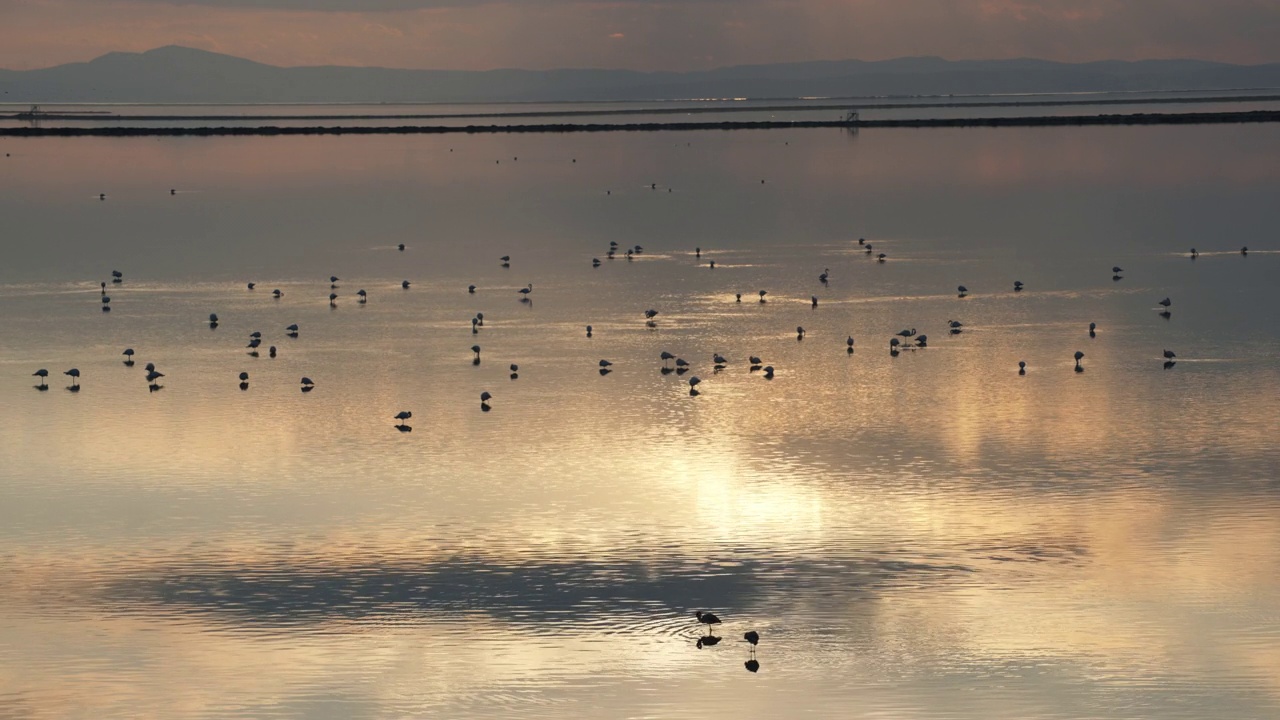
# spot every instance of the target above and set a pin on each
(709, 619)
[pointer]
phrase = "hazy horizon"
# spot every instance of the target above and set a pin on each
(629, 34)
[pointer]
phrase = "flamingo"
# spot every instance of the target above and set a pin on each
(333, 281)
(1022, 367)
(907, 333)
(762, 294)
(404, 284)
(718, 359)
(1169, 354)
(962, 290)
(277, 293)
(476, 349)
(813, 299)
(524, 291)
(588, 331)
(307, 384)
(754, 360)
(364, 296)
(752, 637)
(333, 297)
(292, 330)
(403, 415)
(1194, 254)
(1166, 302)
(1093, 329)
(799, 332)
(471, 289)
(881, 257)
(42, 374)
(506, 260)
(252, 285)
(1017, 286)
(768, 372)
(707, 619)
(128, 356)
(400, 247)
(1079, 356)
(606, 363)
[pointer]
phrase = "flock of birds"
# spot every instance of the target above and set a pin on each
(904, 340)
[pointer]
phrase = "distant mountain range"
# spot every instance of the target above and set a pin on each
(184, 75)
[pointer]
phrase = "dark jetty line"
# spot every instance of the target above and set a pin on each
(1256, 116)
(848, 105)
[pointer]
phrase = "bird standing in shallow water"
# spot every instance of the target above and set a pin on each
(707, 619)
(1079, 356)
(752, 637)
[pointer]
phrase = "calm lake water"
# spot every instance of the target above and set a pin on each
(929, 535)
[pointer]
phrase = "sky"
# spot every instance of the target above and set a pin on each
(638, 34)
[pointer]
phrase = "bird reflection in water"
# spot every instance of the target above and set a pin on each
(707, 641)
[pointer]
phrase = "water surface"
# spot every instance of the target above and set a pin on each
(929, 535)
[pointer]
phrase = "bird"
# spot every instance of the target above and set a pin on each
(849, 343)
(682, 364)
(922, 340)
(244, 376)
(650, 314)
(213, 320)
(277, 293)
(307, 384)
(881, 257)
(117, 276)
(1166, 302)
(595, 262)
(666, 357)
(1116, 269)
(404, 284)
(825, 274)
(907, 333)
(768, 372)
(42, 374)
(1244, 250)
(955, 324)
(128, 356)
(707, 641)
(152, 380)
(752, 665)
(403, 415)
(752, 637)
(588, 331)
(1022, 367)
(762, 294)
(506, 260)
(893, 344)
(1079, 356)
(476, 349)
(524, 291)
(256, 334)
(485, 397)
(333, 297)
(1017, 286)
(754, 360)
(1169, 354)
(333, 281)
(739, 296)
(1194, 254)
(962, 290)
(252, 285)
(719, 359)
(707, 619)
(271, 351)
(292, 330)
(693, 385)
(471, 289)
(799, 332)
(364, 296)
(244, 381)
(1093, 329)
(813, 300)
(74, 374)
(515, 371)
